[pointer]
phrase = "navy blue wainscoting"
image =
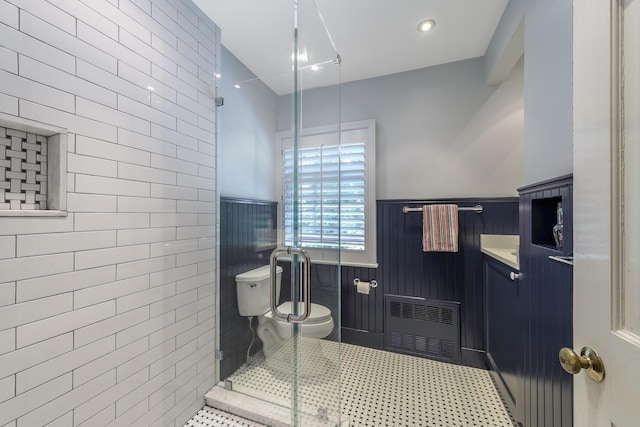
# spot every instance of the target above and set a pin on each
(405, 270)
(548, 303)
(247, 237)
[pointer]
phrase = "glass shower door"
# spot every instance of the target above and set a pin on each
(311, 175)
(297, 363)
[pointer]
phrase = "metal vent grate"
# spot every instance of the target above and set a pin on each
(435, 346)
(396, 339)
(395, 309)
(424, 313)
(423, 327)
(446, 316)
(447, 349)
(433, 314)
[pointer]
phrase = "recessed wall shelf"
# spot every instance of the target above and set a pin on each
(543, 219)
(33, 168)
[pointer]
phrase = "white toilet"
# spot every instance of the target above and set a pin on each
(254, 288)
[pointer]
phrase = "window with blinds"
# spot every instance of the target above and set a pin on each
(335, 194)
(331, 197)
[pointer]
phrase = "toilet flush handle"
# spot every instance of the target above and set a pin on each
(306, 285)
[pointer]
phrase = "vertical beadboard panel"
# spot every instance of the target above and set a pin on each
(403, 270)
(548, 309)
(243, 247)
(407, 271)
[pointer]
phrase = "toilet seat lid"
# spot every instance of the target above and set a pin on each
(319, 313)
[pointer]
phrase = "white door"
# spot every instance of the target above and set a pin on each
(607, 208)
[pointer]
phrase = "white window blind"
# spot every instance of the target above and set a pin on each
(335, 194)
(331, 197)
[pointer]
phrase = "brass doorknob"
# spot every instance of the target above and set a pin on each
(588, 360)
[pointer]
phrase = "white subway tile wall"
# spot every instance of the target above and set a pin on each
(107, 315)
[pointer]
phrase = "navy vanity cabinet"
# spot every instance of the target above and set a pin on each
(505, 329)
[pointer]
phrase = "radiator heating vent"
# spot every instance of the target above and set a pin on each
(427, 328)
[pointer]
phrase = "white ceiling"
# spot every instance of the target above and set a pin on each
(372, 37)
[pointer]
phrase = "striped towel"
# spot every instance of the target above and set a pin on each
(440, 228)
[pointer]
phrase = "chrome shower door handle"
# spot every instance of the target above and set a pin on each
(306, 285)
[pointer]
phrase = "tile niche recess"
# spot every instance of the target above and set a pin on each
(33, 168)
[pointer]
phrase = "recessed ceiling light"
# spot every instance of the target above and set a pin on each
(427, 25)
(237, 86)
(316, 67)
(303, 56)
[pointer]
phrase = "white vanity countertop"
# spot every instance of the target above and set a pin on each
(503, 247)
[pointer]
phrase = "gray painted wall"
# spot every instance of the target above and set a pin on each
(441, 131)
(548, 90)
(247, 124)
(548, 83)
(497, 55)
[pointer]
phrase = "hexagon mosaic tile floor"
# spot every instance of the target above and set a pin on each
(378, 388)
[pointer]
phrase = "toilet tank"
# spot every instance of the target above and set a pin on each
(254, 290)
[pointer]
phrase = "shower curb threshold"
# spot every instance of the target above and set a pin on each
(258, 410)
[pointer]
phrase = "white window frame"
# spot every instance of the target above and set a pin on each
(368, 257)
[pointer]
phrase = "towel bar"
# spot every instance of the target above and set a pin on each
(476, 209)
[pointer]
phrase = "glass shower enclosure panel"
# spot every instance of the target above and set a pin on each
(297, 364)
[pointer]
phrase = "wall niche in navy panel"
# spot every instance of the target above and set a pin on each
(247, 236)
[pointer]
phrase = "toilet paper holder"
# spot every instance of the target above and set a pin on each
(372, 284)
